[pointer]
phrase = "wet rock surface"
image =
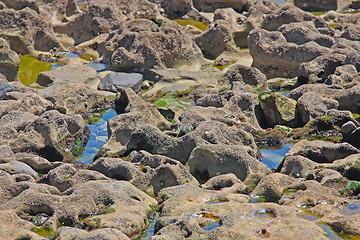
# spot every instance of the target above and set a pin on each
(179, 119)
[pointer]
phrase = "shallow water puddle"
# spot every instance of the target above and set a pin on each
(98, 137)
(272, 158)
(263, 213)
(184, 22)
(333, 235)
(29, 69)
(208, 221)
(351, 209)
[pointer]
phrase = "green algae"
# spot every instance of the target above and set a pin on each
(29, 69)
(318, 13)
(183, 104)
(44, 231)
(184, 22)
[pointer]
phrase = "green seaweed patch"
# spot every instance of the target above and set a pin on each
(331, 139)
(318, 13)
(289, 191)
(183, 104)
(78, 147)
(184, 22)
(351, 188)
(44, 231)
(29, 69)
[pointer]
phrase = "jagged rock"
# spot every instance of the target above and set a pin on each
(319, 69)
(9, 61)
(5, 88)
(296, 166)
(56, 11)
(351, 133)
(47, 135)
(352, 33)
(344, 75)
(307, 110)
(114, 81)
(27, 31)
(223, 181)
(66, 176)
(247, 76)
(288, 14)
(303, 32)
(115, 203)
(322, 152)
(354, 59)
(212, 5)
(273, 185)
(349, 167)
(310, 193)
(68, 90)
(275, 57)
(278, 109)
(176, 8)
(226, 33)
(102, 17)
(152, 46)
(29, 102)
(319, 6)
(149, 138)
(347, 98)
(207, 161)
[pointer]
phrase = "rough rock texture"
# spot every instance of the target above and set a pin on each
(142, 45)
(207, 161)
(47, 135)
(311, 105)
(301, 33)
(317, 70)
(113, 82)
(288, 14)
(212, 5)
(275, 57)
(104, 17)
(278, 109)
(27, 31)
(56, 11)
(297, 166)
(9, 61)
(321, 6)
(226, 33)
(322, 152)
(245, 76)
(149, 138)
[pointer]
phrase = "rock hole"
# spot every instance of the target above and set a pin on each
(136, 198)
(51, 154)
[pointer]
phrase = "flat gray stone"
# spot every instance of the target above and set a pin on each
(116, 81)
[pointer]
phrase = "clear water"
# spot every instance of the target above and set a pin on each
(98, 137)
(351, 209)
(212, 226)
(151, 229)
(272, 158)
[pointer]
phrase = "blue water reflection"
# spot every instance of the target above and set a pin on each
(98, 137)
(272, 158)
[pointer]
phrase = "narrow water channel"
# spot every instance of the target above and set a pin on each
(98, 137)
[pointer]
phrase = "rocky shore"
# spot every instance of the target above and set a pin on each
(179, 119)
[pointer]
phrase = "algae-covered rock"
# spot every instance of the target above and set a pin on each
(278, 109)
